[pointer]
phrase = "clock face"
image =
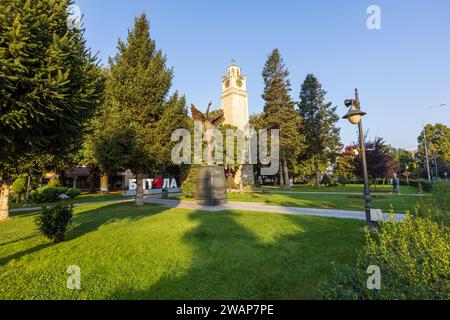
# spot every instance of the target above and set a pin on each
(227, 83)
(239, 82)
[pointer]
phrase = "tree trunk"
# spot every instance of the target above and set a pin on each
(92, 178)
(4, 200)
(139, 200)
(104, 182)
(287, 181)
(316, 164)
(280, 173)
(27, 197)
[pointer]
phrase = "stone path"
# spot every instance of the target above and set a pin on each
(254, 206)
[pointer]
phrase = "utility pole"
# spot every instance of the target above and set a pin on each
(426, 152)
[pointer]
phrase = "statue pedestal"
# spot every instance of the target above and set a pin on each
(211, 186)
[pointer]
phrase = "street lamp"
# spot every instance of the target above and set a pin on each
(354, 116)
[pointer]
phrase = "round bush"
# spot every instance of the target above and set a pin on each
(73, 192)
(47, 194)
(53, 222)
(189, 184)
(19, 187)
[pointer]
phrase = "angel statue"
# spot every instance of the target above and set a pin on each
(207, 126)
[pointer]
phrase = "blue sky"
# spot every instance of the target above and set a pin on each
(400, 70)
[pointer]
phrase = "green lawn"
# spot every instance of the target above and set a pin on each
(312, 199)
(321, 198)
(400, 203)
(157, 253)
(84, 197)
(350, 188)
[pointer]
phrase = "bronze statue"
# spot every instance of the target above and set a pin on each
(207, 127)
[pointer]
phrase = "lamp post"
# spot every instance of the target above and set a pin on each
(426, 152)
(354, 115)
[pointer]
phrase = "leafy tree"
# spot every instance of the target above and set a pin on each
(279, 112)
(404, 162)
(256, 122)
(438, 144)
(49, 85)
(345, 167)
(86, 157)
(380, 161)
(135, 98)
(319, 123)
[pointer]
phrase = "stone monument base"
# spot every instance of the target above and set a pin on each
(211, 186)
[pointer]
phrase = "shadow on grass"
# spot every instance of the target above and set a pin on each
(84, 222)
(90, 220)
(17, 240)
(231, 262)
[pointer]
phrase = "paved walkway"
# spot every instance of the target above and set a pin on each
(255, 206)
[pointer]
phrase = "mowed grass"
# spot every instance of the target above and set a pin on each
(399, 203)
(349, 188)
(158, 253)
(82, 198)
(341, 198)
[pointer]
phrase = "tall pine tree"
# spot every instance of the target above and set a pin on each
(175, 116)
(279, 112)
(319, 123)
(135, 98)
(50, 85)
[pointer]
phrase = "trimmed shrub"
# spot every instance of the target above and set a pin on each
(436, 206)
(343, 180)
(53, 222)
(19, 187)
(425, 185)
(47, 194)
(328, 181)
(54, 183)
(34, 195)
(311, 182)
(73, 192)
(189, 184)
(413, 257)
(231, 184)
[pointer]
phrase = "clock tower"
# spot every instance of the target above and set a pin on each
(235, 98)
(235, 108)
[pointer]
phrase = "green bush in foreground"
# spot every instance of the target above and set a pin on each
(53, 222)
(437, 205)
(413, 257)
